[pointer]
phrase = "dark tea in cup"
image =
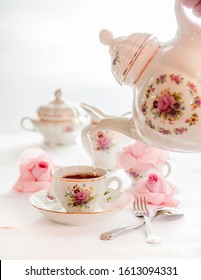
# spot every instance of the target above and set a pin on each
(81, 176)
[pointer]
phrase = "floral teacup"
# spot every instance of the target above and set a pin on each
(84, 188)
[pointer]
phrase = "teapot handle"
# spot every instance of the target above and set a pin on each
(184, 24)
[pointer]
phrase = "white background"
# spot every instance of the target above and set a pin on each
(51, 44)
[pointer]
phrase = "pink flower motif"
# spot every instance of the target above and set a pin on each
(104, 142)
(192, 86)
(68, 129)
(82, 196)
(177, 78)
(140, 157)
(156, 190)
(165, 103)
(36, 169)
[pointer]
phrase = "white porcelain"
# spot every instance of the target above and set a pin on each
(55, 133)
(165, 78)
(104, 145)
(84, 195)
(47, 204)
(59, 122)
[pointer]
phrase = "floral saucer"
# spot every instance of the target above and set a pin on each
(47, 204)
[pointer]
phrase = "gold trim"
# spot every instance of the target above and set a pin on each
(70, 213)
(54, 121)
(134, 58)
(78, 213)
(145, 66)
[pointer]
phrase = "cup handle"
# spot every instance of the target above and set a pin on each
(110, 194)
(169, 169)
(22, 123)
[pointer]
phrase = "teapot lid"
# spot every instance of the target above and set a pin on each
(58, 110)
(130, 53)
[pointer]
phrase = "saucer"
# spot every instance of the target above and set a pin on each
(47, 204)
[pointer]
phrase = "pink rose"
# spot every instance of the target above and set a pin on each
(141, 157)
(156, 190)
(82, 196)
(165, 103)
(35, 171)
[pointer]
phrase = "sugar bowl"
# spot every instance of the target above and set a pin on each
(59, 122)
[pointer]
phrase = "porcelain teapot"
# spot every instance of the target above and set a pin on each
(59, 122)
(166, 80)
(103, 146)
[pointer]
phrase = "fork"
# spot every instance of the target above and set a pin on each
(141, 210)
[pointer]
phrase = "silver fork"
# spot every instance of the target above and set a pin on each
(141, 210)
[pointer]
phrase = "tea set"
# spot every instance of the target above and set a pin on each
(166, 114)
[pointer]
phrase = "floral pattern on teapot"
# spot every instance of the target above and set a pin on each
(165, 106)
(116, 59)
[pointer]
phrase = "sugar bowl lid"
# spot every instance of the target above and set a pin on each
(58, 110)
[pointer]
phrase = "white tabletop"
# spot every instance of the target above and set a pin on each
(26, 234)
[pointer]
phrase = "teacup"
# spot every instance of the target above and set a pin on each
(84, 188)
(164, 170)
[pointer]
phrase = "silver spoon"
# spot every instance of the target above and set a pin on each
(161, 211)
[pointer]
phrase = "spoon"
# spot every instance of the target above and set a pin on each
(161, 211)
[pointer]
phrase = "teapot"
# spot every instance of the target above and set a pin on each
(59, 122)
(103, 146)
(166, 81)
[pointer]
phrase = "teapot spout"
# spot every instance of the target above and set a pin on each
(122, 125)
(95, 113)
